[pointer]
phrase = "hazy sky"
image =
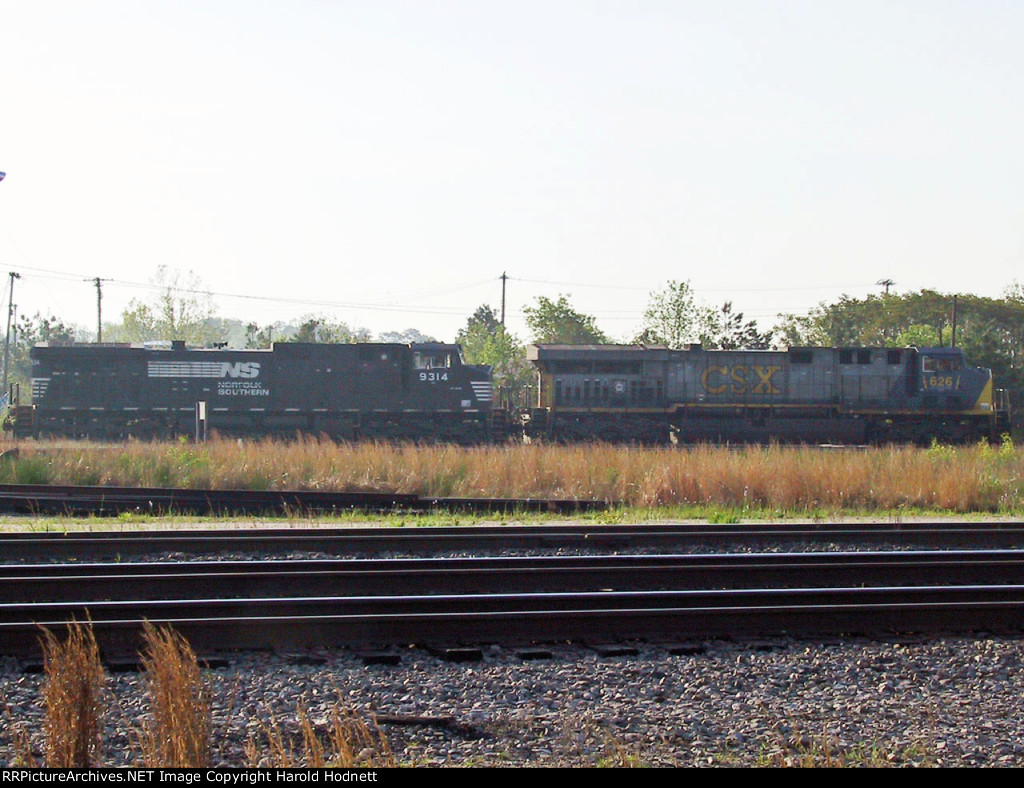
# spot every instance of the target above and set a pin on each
(383, 162)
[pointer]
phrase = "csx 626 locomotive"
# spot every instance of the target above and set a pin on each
(804, 394)
(361, 391)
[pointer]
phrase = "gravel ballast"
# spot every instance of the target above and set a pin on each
(936, 702)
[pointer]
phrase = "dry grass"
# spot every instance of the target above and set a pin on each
(177, 733)
(72, 697)
(769, 479)
(347, 742)
(801, 751)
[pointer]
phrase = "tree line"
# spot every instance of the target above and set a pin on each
(990, 330)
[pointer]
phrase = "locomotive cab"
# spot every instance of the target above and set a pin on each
(440, 368)
(946, 382)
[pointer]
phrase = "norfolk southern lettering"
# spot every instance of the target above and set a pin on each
(241, 388)
(240, 375)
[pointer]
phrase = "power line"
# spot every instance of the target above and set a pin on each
(378, 305)
(696, 289)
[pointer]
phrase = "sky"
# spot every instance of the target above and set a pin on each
(385, 163)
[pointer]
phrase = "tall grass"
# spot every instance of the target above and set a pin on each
(72, 698)
(177, 733)
(347, 742)
(803, 751)
(753, 479)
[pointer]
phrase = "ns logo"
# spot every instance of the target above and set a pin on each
(243, 369)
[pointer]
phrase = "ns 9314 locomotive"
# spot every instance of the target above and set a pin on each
(802, 395)
(392, 392)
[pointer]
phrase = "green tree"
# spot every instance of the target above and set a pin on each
(181, 310)
(30, 331)
(556, 322)
(877, 320)
(257, 338)
(483, 316)
(672, 317)
(321, 329)
(485, 341)
(919, 335)
(407, 337)
(724, 329)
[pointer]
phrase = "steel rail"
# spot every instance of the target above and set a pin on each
(354, 541)
(308, 622)
(166, 580)
(102, 500)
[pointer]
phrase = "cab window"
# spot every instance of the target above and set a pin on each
(431, 360)
(940, 364)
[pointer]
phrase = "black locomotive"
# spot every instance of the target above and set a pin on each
(348, 392)
(816, 395)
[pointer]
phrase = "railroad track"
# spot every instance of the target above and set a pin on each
(71, 583)
(124, 544)
(107, 501)
(299, 604)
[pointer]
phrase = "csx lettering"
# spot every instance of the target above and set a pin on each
(736, 379)
(242, 369)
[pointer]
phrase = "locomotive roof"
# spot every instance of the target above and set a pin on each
(555, 352)
(161, 345)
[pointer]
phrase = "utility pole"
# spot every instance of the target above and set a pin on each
(886, 283)
(99, 309)
(7, 342)
(504, 278)
(952, 342)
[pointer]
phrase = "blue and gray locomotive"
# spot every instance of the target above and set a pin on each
(348, 392)
(817, 395)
